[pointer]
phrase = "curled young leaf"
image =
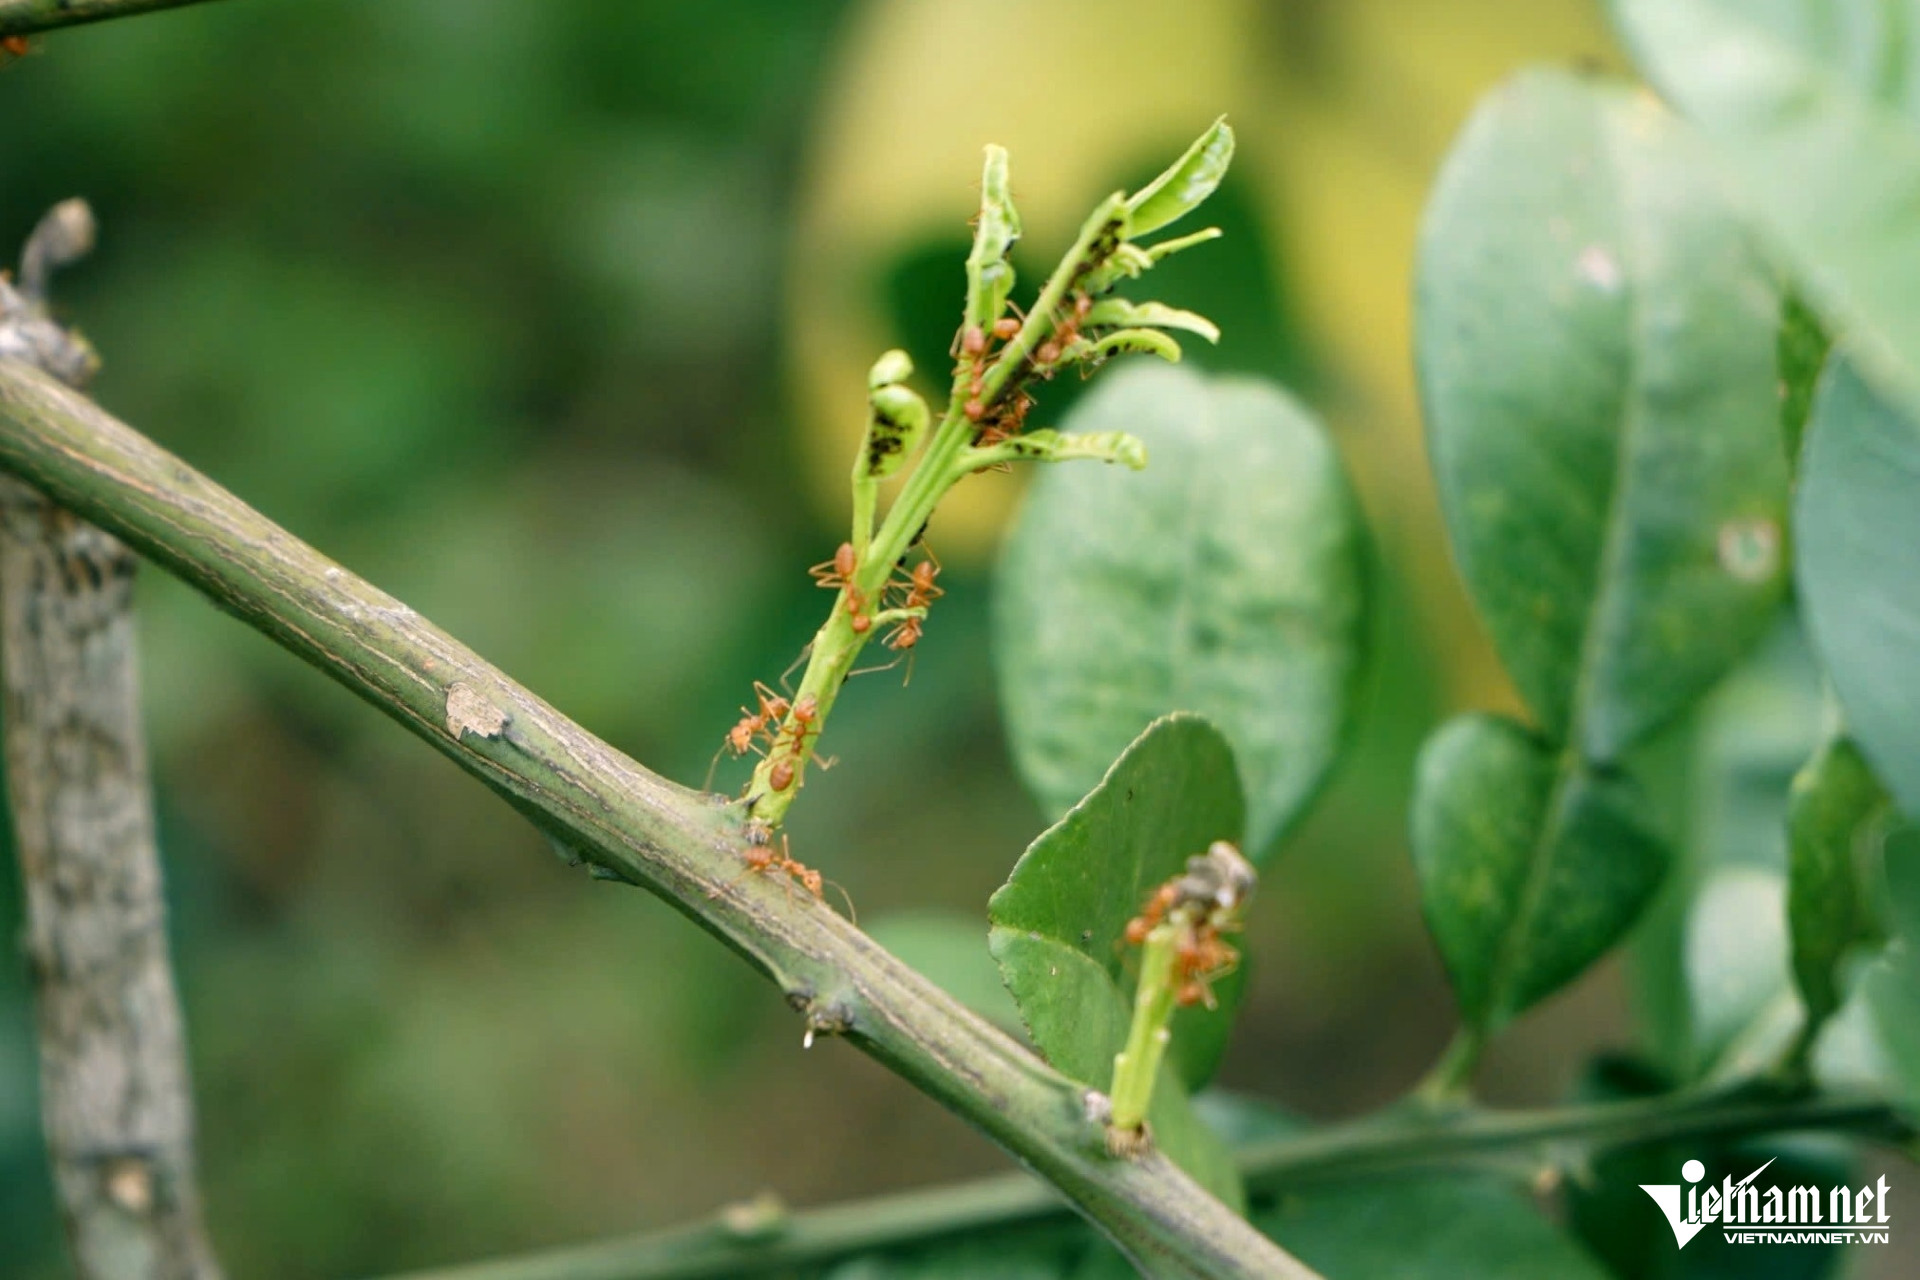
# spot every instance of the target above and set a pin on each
(1048, 445)
(1118, 312)
(989, 269)
(1184, 185)
(893, 367)
(1146, 341)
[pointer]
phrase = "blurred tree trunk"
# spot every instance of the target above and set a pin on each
(113, 1075)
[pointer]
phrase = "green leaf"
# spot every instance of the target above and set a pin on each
(1146, 342)
(1596, 347)
(1892, 984)
(1059, 923)
(1119, 311)
(1531, 864)
(1857, 528)
(1801, 354)
(1224, 579)
(1185, 184)
(1741, 1003)
(1812, 111)
(1425, 1227)
(989, 268)
(1834, 805)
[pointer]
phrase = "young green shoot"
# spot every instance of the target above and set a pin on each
(1072, 323)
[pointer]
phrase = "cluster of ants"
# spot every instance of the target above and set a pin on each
(1204, 902)
(784, 726)
(916, 590)
(974, 352)
(780, 728)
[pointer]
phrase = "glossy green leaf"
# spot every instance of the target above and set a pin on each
(1058, 924)
(1425, 1227)
(1224, 579)
(1531, 864)
(1184, 185)
(1812, 111)
(1596, 347)
(1835, 804)
(1858, 546)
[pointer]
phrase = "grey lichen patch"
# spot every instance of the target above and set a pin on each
(469, 711)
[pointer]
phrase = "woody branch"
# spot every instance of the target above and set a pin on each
(626, 822)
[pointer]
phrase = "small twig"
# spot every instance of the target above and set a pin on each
(27, 17)
(114, 1089)
(735, 1244)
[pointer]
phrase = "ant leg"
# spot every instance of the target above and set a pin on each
(787, 684)
(853, 917)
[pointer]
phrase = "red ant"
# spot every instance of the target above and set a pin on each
(973, 345)
(1152, 913)
(1201, 958)
(14, 48)
(837, 575)
(1065, 333)
(804, 718)
(752, 726)
(761, 859)
(921, 593)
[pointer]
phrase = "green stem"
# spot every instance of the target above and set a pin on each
(1450, 1076)
(1564, 1137)
(27, 17)
(1135, 1067)
(837, 646)
(605, 809)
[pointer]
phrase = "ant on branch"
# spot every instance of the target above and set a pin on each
(837, 575)
(762, 859)
(1065, 334)
(920, 594)
(752, 726)
(803, 718)
(973, 347)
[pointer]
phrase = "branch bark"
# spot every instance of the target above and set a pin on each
(602, 808)
(115, 1097)
(746, 1240)
(28, 17)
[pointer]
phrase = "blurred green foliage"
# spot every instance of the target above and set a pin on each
(492, 301)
